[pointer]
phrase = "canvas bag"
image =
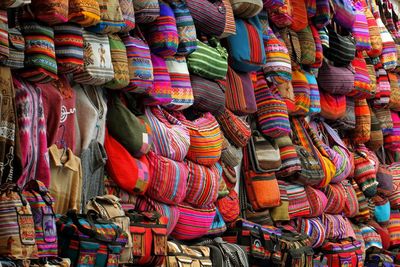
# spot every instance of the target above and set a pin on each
(85, 13)
(98, 68)
(120, 63)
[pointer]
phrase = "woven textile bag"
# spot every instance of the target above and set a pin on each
(364, 214)
(362, 82)
(202, 184)
(344, 13)
(168, 182)
(193, 222)
(315, 100)
(382, 209)
(4, 39)
(209, 61)
(40, 59)
(317, 200)
(18, 240)
(319, 55)
(205, 138)
(162, 34)
(208, 95)
(229, 206)
(281, 15)
(362, 131)
(298, 201)
(301, 90)
(374, 33)
(246, 47)
(160, 93)
(128, 14)
(365, 174)
(376, 137)
(371, 237)
(322, 15)
(146, 11)
(182, 92)
(394, 102)
(139, 64)
(389, 51)
(333, 107)
(393, 228)
(85, 13)
(98, 68)
(307, 45)
(185, 27)
(234, 128)
(351, 207)
(277, 66)
(360, 29)
(341, 48)
(327, 78)
(292, 43)
(313, 228)
(246, 8)
(336, 196)
(231, 155)
(16, 54)
(385, 118)
(290, 161)
(111, 18)
(372, 74)
(230, 27)
(68, 41)
(272, 114)
(299, 15)
(336, 226)
(348, 121)
(382, 95)
(120, 63)
(171, 137)
(51, 11)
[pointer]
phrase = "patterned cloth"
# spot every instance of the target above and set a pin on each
(4, 44)
(128, 13)
(120, 63)
(52, 11)
(111, 19)
(84, 12)
(298, 202)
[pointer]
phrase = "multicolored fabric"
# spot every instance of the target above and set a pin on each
(322, 15)
(246, 9)
(229, 206)
(351, 207)
(314, 228)
(298, 201)
(394, 102)
(362, 82)
(364, 214)
(382, 209)
(98, 68)
(139, 63)
(40, 58)
(51, 11)
(307, 45)
(319, 55)
(336, 196)
(86, 13)
(371, 237)
(162, 34)
(374, 34)
(315, 104)
(205, 138)
(218, 227)
(341, 48)
(230, 27)
(128, 13)
(333, 107)
(171, 137)
(389, 51)
(336, 226)
(291, 40)
(372, 74)
(376, 137)
(272, 114)
(182, 92)
(193, 223)
(392, 140)
(168, 179)
(327, 79)
(202, 184)
(345, 13)
(360, 29)
(68, 41)
(289, 158)
(234, 128)
(120, 63)
(382, 95)
(393, 228)
(185, 26)
(364, 173)
(385, 118)
(208, 95)
(317, 200)
(16, 55)
(362, 131)
(281, 213)
(111, 18)
(348, 120)
(301, 90)
(281, 15)
(4, 39)
(146, 11)
(245, 48)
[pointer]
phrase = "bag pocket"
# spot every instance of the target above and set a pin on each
(87, 253)
(138, 239)
(159, 241)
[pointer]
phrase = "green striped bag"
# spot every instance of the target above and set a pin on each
(209, 61)
(119, 60)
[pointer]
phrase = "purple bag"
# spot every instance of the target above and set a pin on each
(328, 81)
(345, 13)
(248, 90)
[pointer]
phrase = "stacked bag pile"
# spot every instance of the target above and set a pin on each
(231, 133)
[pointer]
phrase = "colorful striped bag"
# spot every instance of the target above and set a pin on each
(168, 179)
(4, 39)
(98, 68)
(315, 100)
(68, 40)
(348, 121)
(139, 63)
(162, 34)
(301, 90)
(336, 226)
(299, 15)
(208, 95)
(246, 8)
(230, 27)
(146, 11)
(86, 13)
(128, 13)
(298, 201)
(385, 118)
(171, 137)
(313, 228)
(229, 206)
(231, 155)
(333, 107)
(336, 196)
(317, 200)
(322, 15)
(389, 51)
(41, 203)
(365, 174)
(193, 222)
(40, 59)
(374, 34)
(111, 19)
(16, 56)
(360, 29)
(362, 131)
(376, 137)
(51, 12)
(362, 82)
(234, 128)
(281, 15)
(344, 13)
(327, 78)
(394, 102)
(307, 46)
(341, 48)
(120, 63)
(202, 184)
(351, 207)
(371, 238)
(319, 55)
(393, 228)
(205, 138)
(290, 161)
(182, 92)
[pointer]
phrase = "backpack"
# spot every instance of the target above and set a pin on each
(296, 249)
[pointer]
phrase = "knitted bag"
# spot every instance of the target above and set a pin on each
(4, 39)
(336, 226)
(344, 13)
(146, 204)
(364, 214)
(327, 78)
(160, 92)
(393, 228)
(389, 51)
(111, 19)
(362, 82)
(360, 29)
(171, 137)
(229, 206)
(131, 174)
(290, 161)
(298, 202)
(394, 101)
(40, 59)
(281, 16)
(246, 47)
(307, 45)
(246, 8)
(168, 179)
(351, 207)
(239, 93)
(209, 16)
(185, 27)
(385, 118)
(139, 63)
(193, 222)
(85, 13)
(382, 209)
(322, 15)
(317, 200)
(272, 114)
(209, 61)
(336, 195)
(208, 95)
(385, 180)
(98, 68)
(333, 107)
(146, 11)
(299, 15)
(234, 128)
(162, 34)
(301, 90)
(374, 34)
(202, 184)
(348, 121)
(205, 138)
(314, 228)
(365, 174)
(120, 63)
(341, 48)
(182, 92)
(315, 100)
(68, 41)
(362, 131)
(277, 66)
(376, 137)
(16, 55)
(371, 237)
(128, 14)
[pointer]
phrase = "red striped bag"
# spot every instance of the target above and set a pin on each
(336, 195)
(360, 29)
(362, 131)
(299, 15)
(301, 90)
(298, 201)
(351, 207)
(317, 200)
(234, 128)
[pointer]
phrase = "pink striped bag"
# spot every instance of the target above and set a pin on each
(360, 29)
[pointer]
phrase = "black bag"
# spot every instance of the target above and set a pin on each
(296, 249)
(342, 48)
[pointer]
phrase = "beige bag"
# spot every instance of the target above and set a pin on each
(185, 256)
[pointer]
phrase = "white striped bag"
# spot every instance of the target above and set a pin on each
(98, 67)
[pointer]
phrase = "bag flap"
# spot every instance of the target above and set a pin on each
(137, 230)
(16, 39)
(159, 231)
